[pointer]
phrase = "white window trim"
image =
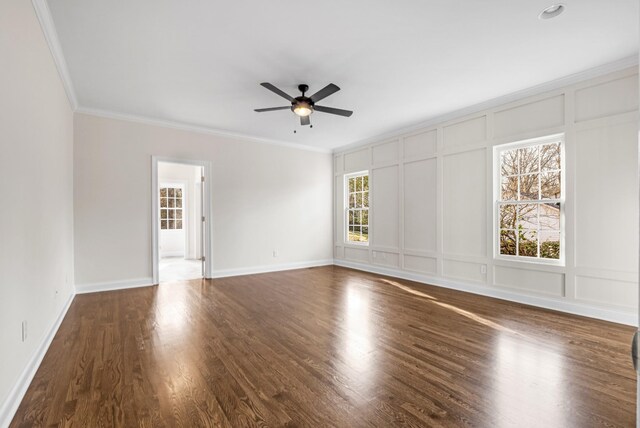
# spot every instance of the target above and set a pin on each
(345, 211)
(497, 150)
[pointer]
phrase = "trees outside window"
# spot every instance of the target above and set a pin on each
(357, 208)
(171, 208)
(530, 200)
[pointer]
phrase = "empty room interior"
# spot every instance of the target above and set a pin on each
(319, 214)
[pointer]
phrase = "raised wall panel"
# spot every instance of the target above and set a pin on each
(420, 264)
(382, 258)
(356, 161)
(530, 280)
(539, 115)
(468, 271)
(357, 254)
(386, 152)
(384, 203)
(464, 133)
(465, 203)
(606, 99)
(420, 184)
(422, 144)
(338, 252)
(607, 291)
(339, 208)
(606, 198)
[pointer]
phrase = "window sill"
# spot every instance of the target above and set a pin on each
(546, 265)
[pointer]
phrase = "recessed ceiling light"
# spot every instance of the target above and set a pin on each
(552, 11)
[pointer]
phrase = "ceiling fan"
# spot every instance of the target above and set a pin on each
(303, 106)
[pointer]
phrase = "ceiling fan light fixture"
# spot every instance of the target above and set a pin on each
(302, 109)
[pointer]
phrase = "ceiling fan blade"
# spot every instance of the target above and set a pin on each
(324, 92)
(273, 89)
(260, 110)
(331, 110)
(304, 120)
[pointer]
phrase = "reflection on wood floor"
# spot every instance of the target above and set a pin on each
(327, 346)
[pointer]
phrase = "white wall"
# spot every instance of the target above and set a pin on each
(182, 242)
(425, 185)
(36, 219)
(265, 197)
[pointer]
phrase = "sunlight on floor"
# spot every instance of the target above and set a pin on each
(177, 269)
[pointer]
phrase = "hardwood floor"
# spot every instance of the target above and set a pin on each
(327, 346)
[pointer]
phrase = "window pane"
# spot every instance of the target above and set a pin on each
(509, 189)
(509, 163)
(352, 185)
(507, 217)
(356, 217)
(508, 242)
(350, 220)
(527, 243)
(527, 216)
(528, 157)
(550, 156)
(163, 202)
(550, 185)
(358, 184)
(171, 213)
(365, 183)
(179, 214)
(163, 192)
(163, 224)
(163, 213)
(350, 235)
(365, 200)
(178, 224)
(549, 216)
(172, 203)
(359, 200)
(550, 244)
(365, 234)
(365, 218)
(178, 193)
(178, 203)
(529, 187)
(172, 224)
(171, 193)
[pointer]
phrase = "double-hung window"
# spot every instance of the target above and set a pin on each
(530, 202)
(357, 207)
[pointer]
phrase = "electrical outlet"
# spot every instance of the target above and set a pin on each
(55, 294)
(24, 330)
(275, 253)
(483, 269)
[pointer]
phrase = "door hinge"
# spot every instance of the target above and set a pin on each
(202, 258)
(202, 218)
(202, 178)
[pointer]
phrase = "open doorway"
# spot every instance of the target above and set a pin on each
(181, 228)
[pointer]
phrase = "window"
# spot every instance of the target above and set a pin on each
(357, 203)
(529, 199)
(170, 208)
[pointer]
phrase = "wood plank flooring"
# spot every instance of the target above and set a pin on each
(327, 346)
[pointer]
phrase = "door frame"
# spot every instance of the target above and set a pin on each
(155, 216)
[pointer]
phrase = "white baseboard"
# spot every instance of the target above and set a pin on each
(113, 285)
(270, 268)
(11, 404)
(575, 308)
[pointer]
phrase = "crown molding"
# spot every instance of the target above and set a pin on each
(552, 85)
(194, 128)
(51, 36)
